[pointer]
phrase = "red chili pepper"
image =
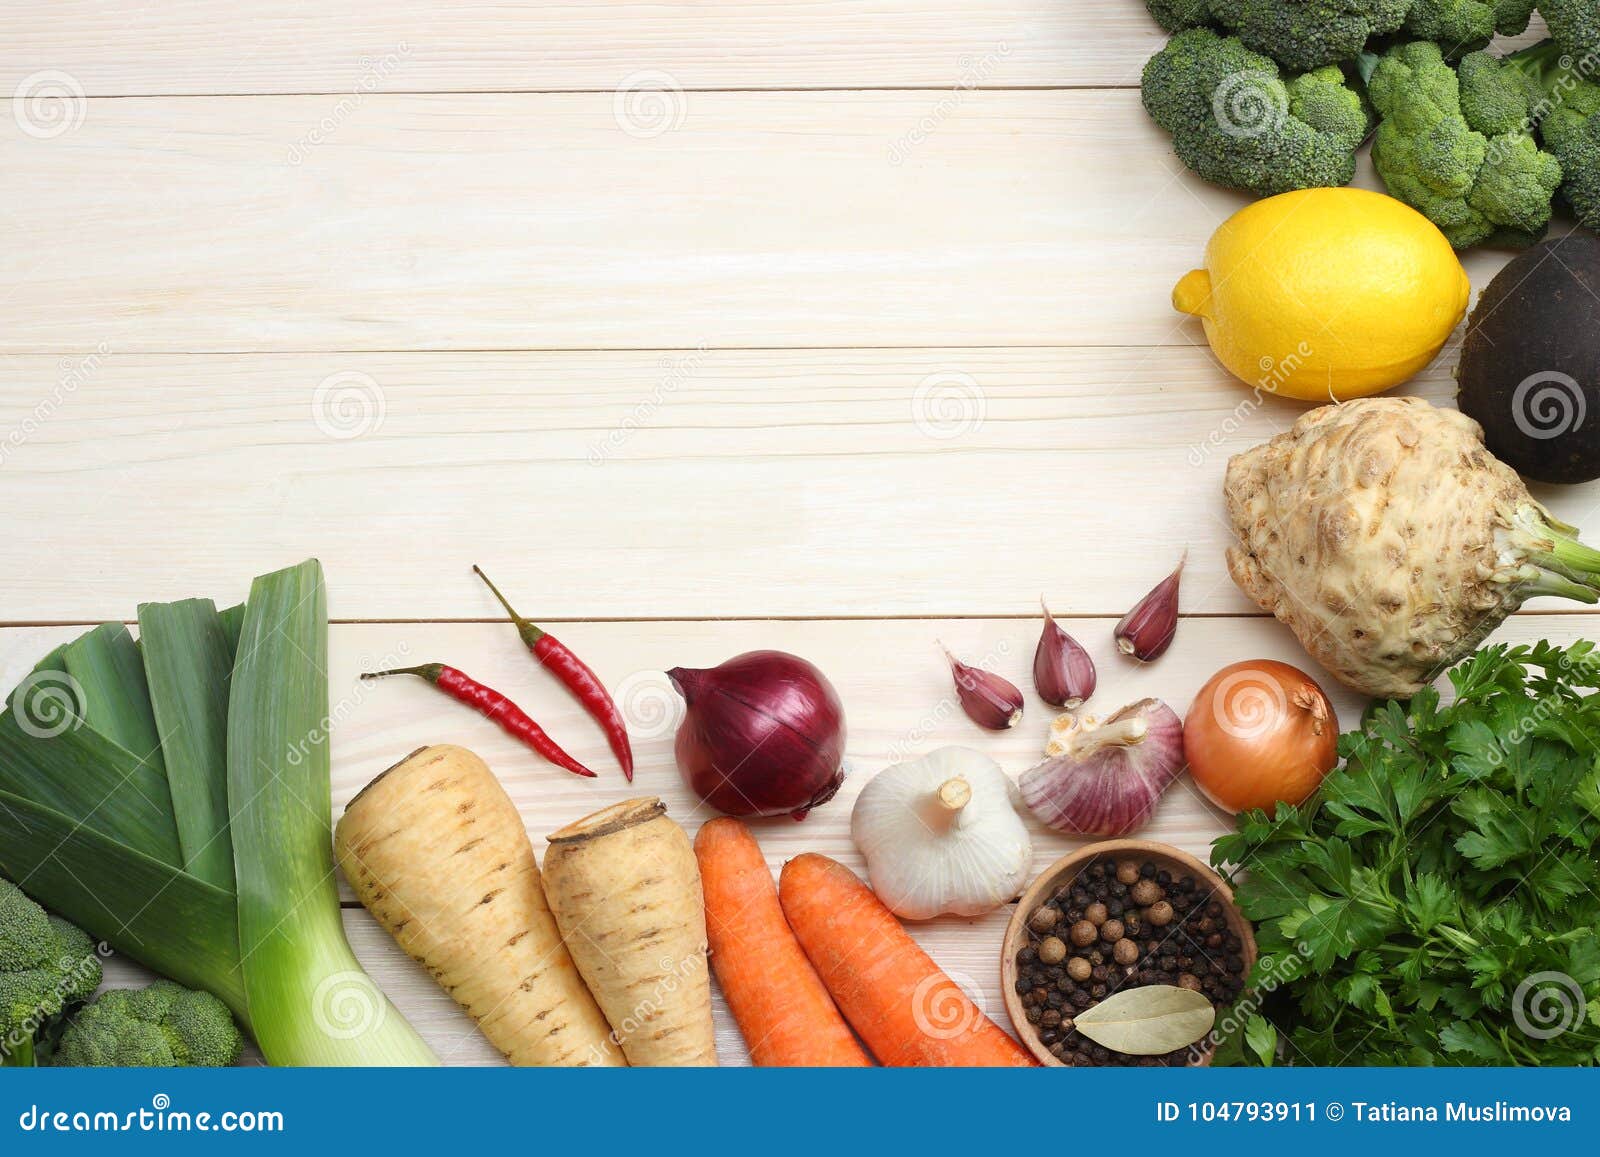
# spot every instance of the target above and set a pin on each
(575, 674)
(491, 705)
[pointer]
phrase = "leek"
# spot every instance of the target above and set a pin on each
(294, 957)
(190, 659)
(138, 779)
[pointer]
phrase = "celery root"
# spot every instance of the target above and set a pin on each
(437, 852)
(625, 889)
(1392, 542)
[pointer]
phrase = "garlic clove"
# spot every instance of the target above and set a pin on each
(989, 700)
(1147, 631)
(1063, 672)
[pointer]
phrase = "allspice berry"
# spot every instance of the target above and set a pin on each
(1159, 914)
(1052, 950)
(1084, 933)
(1095, 913)
(1078, 968)
(1111, 931)
(1190, 981)
(1043, 919)
(1125, 952)
(1127, 872)
(1145, 892)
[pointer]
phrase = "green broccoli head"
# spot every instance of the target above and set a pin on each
(163, 1026)
(1494, 99)
(46, 967)
(1459, 26)
(1567, 108)
(1237, 123)
(1475, 186)
(1306, 34)
(1575, 26)
(1176, 15)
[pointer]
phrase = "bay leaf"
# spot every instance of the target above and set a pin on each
(1148, 1021)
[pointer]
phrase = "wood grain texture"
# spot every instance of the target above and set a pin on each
(636, 485)
(538, 222)
(897, 701)
(261, 46)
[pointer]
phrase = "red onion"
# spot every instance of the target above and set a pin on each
(1104, 778)
(763, 735)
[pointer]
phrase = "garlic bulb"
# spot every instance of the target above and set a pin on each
(940, 835)
(1105, 777)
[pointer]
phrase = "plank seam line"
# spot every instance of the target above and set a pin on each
(806, 90)
(1006, 616)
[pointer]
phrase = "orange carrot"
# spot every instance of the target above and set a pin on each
(784, 1012)
(892, 993)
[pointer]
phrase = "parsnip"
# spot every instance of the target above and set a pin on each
(625, 889)
(437, 852)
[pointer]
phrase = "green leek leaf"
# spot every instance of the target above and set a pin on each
(151, 911)
(188, 662)
(109, 672)
(49, 754)
(232, 623)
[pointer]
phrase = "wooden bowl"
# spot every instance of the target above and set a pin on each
(1174, 860)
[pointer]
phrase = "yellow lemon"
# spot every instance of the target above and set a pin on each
(1326, 294)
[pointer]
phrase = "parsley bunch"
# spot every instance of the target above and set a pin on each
(1438, 901)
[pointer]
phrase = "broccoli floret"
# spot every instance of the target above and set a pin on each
(1475, 186)
(1237, 123)
(1494, 99)
(1460, 26)
(1306, 34)
(1568, 111)
(46, 967)
(1575, 26)
(163, 1026)
(1176, 15)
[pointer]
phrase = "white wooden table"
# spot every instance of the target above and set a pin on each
(702, 325)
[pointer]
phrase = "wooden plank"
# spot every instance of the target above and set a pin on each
(356, 46)
(897, 701)
(537, 221)
(258, 46)
(635, 485)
